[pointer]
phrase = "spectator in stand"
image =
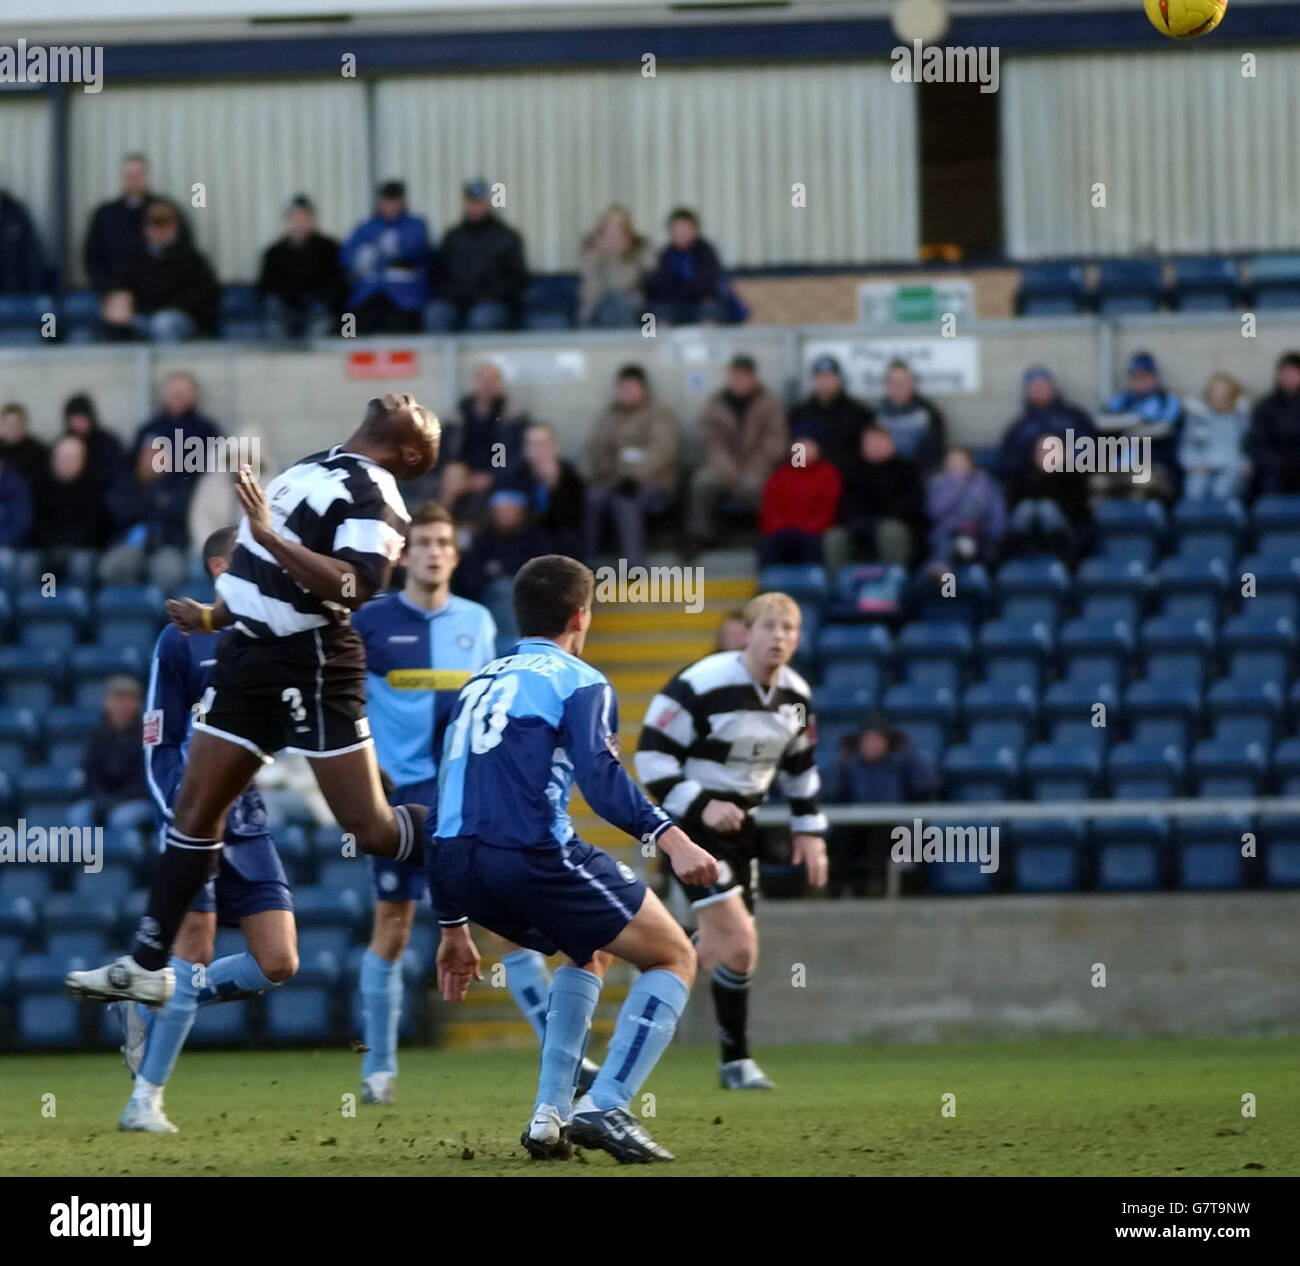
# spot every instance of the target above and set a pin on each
(117, 226)
(615, 259)
(1274, 439)
(968, 516)
(875, 766)
(483, 449)
(1044, 411)
(22, 260)
(914, 421)
(15, 508)
(743, 430)
(301, 284)
(733, 632)
(18, 449)
(150, 502)
(631, 465)
(800, 501)
(113, 763)
(387, 261)
(686, 285)
(105, 456)
(72, 522)
(556, 493)
(1211, 451)
(499, 549)
(840, 417)
(479, 275)
(882, 507)
(1049, 508)
(174, 294)
(1146, 408)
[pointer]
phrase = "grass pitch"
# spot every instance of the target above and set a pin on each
(1160, 1107)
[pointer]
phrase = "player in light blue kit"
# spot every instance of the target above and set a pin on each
(503, 853)
(250, 889)
(422, 645)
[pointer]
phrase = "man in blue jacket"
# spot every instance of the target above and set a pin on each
(387, 259)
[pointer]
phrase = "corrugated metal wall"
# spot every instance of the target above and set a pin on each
(729, 142)
(1195, 156)
(251, 145)
(26, 131)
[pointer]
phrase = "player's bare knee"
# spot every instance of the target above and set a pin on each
(279, 964)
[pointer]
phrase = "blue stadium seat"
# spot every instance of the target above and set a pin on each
(68, 725)
(859, 675)
(1211, 866)
(17, 910)
(1076, 699)
(964, 600)
(1014, 654)
(1025, 608)
(221, 1024)
(1286, 767)
(868, 591)
(123, 848)
(1231, 698)
(353, 874)
(326, 907)
(1054, 772)
(21, 317)
(1128, 853)
(1122, 548)
(49, 784)
(111, 883)
(299, 1010)
(1145, 771)
(93, 665)
(958, 879)
(79, 313)
(324, 940)
(1032, 577)
(53, 622)
(1051, 288)
(1106, 638)
(33, 881)
(45, 1015)
(1276, 512)
(803, 583)
(1111, 608)
(19, 734)
(92, 946)
(1163, 710)
(1225, 770)
(1076, 732)
(978, 771)
(908, 702)
(1046, 853)
(1253, 632)
(423, 943)
(1113, 576)
(1286, 544)
(993, 701)
(854, 641)
(1209, 514)
(1005, 732)
(1206, 576)
(1222, 546)
(327, 842)
(934, 654)
(551, 302)
(1205, 284)
(1129, 286)
(292, 844)
(1282, 863)
(73, 912)
(1178, 649)
(844, 702)
(1144, 519)
(1275, 281)
(1273, 573)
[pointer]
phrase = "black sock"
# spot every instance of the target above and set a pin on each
(187, 864)
(410, 832)
(731, 1003)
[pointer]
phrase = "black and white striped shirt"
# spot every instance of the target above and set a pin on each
(713, 733)
(336, 503)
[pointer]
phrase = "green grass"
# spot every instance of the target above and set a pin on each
(1158, 1107)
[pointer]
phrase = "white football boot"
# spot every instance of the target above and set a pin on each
(379, 1088)
(743, 1074)
(123, 979)
(144, 1111)
(545, 1137)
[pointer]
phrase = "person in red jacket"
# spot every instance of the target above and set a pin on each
(800, 501)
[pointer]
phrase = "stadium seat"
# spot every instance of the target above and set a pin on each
(1226, 770)
(1111, 608)
(1222, 546)
(980, 771)
(241, 314)
(49, 784)
(1046, 853)
(299, 1010)
(123, 848)
(1258, 646)
(1286, 767)
(1210, 866)
(34, 881)
(45, 1015)
(964, 599)
(221, 1024)
(111, 883)
(92, 946)
(1276, 512)
(854, 641)
(1145, 771)
(74, 912)
(1275, 281)
(1233, 698)
(31, 677)
(1205, 576)
(1162, 710)
(993, 701)
(324, 940)
(52, 622)
(1108, 641)
(1174, 648)
(964, 878)
(21, 316)
(1076, 699)
(1208, 514)
(1031, 609)
(1205, 284)
(868, 591)
(1015, 655)
(934, 654)
(1051, 288)
(1032, 577)
(1129, 286)
(1113, 576)
(1272, 573)
(844, 702)
(1128, 853)
(326, 907)
(551, 302)
(1282, 863)
(803, 583)
(1141, 519)
(353, 874)
(1054, 772)
(93, 665)
(19, 733)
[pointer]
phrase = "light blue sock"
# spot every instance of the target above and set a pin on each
(529, 985)
(646, 1024)
(171, 1026)
(569, 1008)
(381, 1009)
(233, 977)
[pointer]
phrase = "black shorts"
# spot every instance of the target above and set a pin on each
(737, 855)
(304, 694)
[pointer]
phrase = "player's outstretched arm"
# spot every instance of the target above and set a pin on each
(690, 863)
(457, 962)
(330, 579)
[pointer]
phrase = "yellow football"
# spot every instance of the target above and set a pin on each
(1185, 19)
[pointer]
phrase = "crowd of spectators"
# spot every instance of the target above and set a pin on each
(391, 275)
